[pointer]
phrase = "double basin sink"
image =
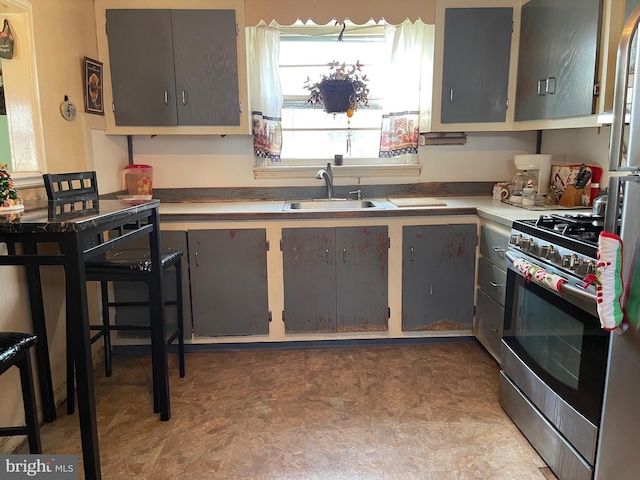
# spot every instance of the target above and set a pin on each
(331, 204)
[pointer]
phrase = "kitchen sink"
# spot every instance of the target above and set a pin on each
(330, 204)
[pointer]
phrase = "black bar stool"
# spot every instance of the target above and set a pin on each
(14, 351)
(126, 265)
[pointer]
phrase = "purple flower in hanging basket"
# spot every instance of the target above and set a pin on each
(344, 89)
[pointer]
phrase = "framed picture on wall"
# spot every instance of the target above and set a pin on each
(93, 94)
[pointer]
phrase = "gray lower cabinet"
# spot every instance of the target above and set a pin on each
(229, 282)
(438, 277)
(492, 279)
(138, 291)
(489, 323)
(557, 61)
(475, 70)
(335, 279)
(174, 67)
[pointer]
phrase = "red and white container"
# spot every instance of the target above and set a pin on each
(138, 180)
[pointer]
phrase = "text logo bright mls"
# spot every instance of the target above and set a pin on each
(58, 467)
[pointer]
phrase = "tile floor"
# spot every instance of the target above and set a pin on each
(427, 411)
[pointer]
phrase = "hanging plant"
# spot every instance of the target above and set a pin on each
(343, 90)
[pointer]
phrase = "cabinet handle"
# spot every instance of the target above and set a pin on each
(344, 255)
(411, 255)
(542, 87)
(197, 263)
(326, 255)
(496, 285)
(451, 95)
(493, 328)
(551, 85)
(184, 97)
(166, 97)
(499, 250)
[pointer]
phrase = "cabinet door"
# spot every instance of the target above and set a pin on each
(489, 323)
(141, 59)
(493, 245)
(206, 66)
(229, 282)
(475, 76)
(492, 280)
(438, 277)
(309, 263)
(362, 278)
(558, 59)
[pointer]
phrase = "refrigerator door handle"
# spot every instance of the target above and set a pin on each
(613, 200)
(612, 212)
(620, 92)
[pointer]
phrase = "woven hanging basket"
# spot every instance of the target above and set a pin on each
(336, 95)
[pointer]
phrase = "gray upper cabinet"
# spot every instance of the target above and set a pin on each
(438, 277)
(174, 67)
(228, 270)
(335, 279)
(557, 64)
(475, 72)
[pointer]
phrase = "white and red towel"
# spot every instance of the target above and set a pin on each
(539, 275)
(608, 281)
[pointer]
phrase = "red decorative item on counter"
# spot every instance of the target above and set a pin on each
(596, 175)
(138, 179)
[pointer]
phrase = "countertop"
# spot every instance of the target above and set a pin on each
(484, 207)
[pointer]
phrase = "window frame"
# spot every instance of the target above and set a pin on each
(328, 33)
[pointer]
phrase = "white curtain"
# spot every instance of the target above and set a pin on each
(263, 43)
(407, 87)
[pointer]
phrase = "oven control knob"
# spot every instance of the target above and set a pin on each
(526, 244)
(570, 261)
(514, 239)
(586, 267)
(547, 251)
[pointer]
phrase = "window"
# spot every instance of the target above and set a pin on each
(290, 132)
(305, 52)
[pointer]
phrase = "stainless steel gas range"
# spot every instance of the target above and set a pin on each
(554, 351)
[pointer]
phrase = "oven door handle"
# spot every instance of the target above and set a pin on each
(565, 288)
(578, 292)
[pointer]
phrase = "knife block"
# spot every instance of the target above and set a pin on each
(571, 197)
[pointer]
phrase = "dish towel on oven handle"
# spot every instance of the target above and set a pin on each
(539, 275)
(608, 281)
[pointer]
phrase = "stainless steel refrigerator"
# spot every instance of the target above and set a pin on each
(618, 456)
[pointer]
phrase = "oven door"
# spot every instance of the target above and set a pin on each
(555, 352)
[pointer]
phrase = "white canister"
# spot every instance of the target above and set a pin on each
(529, 196)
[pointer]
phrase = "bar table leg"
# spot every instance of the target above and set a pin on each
(78, 314)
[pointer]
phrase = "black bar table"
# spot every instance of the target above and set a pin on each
(83, 230)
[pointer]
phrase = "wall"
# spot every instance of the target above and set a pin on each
(62, 32)
(181, 162)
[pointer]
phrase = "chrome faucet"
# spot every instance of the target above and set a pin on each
(327, 174)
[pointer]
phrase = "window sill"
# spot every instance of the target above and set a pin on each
(23, 180)
(346, 171)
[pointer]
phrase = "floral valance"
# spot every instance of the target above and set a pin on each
(321, 12)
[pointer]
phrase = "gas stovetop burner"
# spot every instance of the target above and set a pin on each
(570, 233)
(582, 227)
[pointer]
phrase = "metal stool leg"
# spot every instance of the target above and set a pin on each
(29, 401)
(70, 372)
(178, 267)
(106, 333)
